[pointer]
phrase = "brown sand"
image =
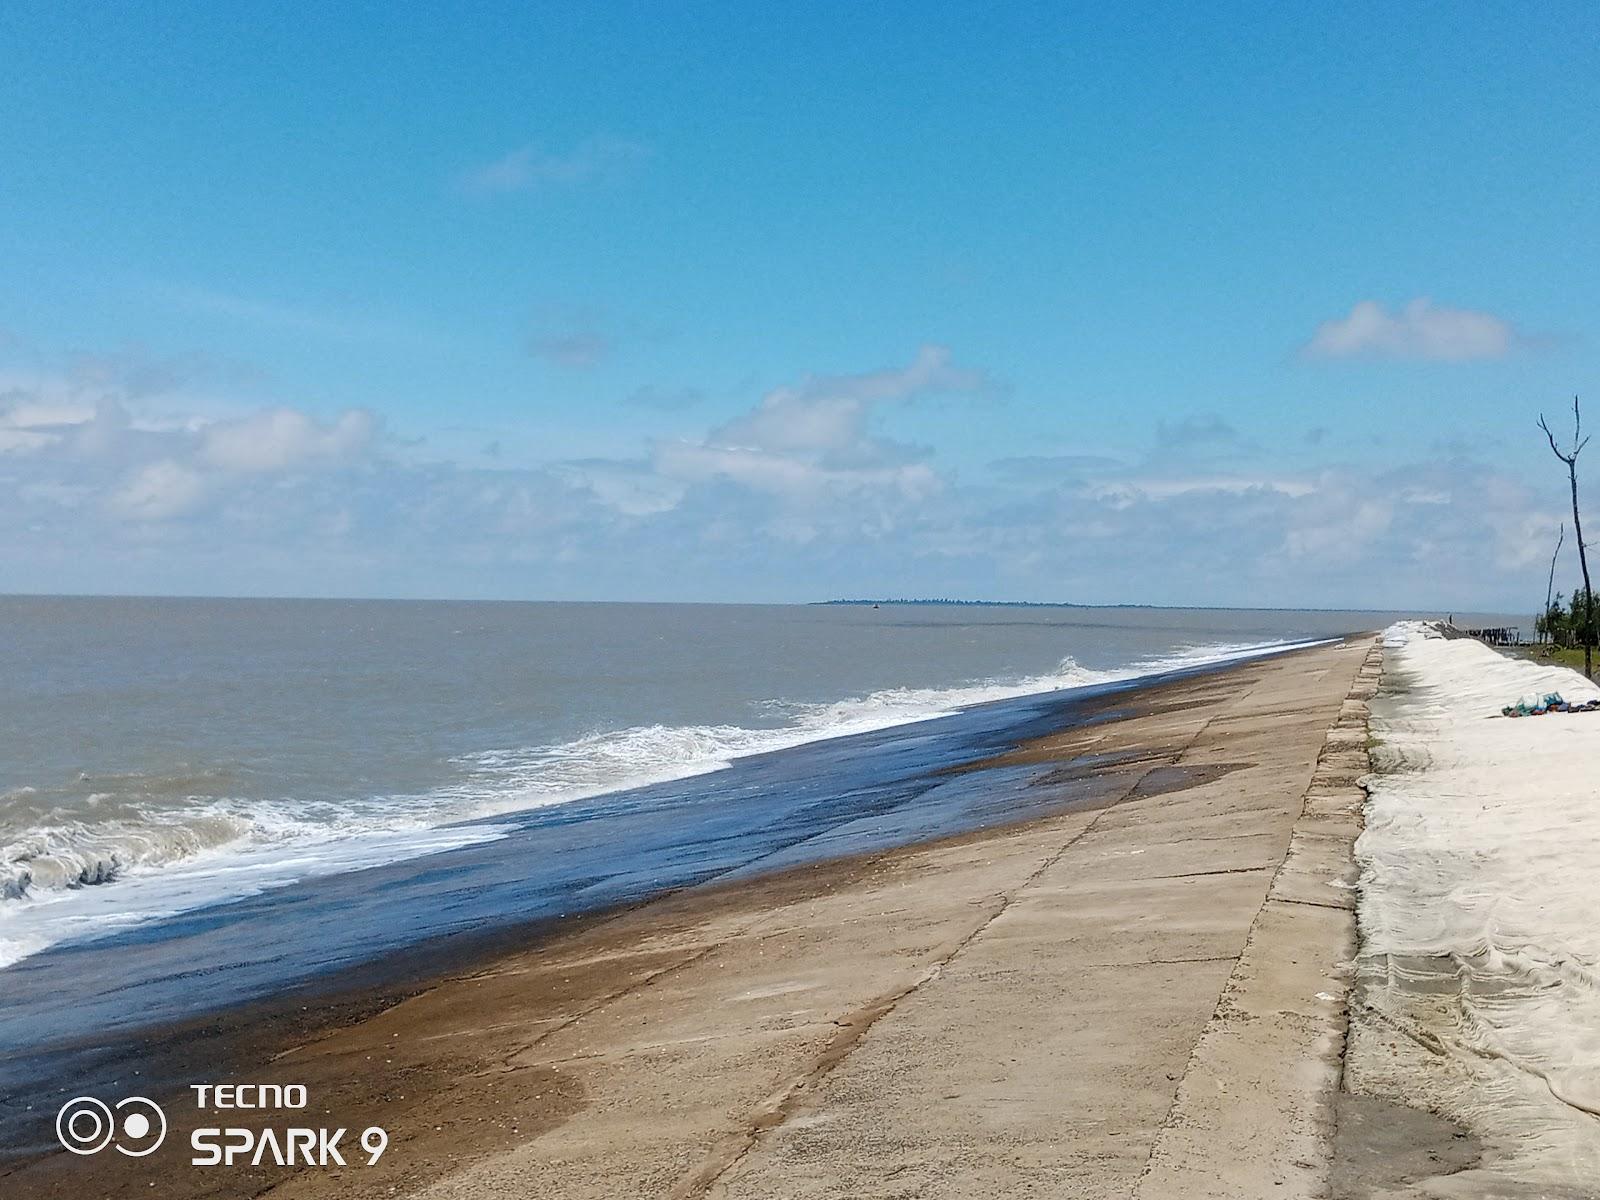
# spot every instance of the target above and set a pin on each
(1141, 997)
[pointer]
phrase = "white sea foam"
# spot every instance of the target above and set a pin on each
(1479, 870)
(130, 861)
(510, 781)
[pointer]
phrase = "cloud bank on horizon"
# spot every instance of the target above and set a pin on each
(801, 496)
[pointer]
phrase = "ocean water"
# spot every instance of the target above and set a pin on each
(162, 755)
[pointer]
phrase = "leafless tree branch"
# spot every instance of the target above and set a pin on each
(1550, 588)
(1571, 459)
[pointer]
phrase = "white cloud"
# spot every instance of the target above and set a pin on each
(89, 436)
(791, 421)
(29, 412)
(1151, 487)
(631, 488)
(530, 167)
(812, 440)
(827, 414)
(36, 415)
(158, 491)
(795, 478)
(1337, 533)
(1418, 330)
(281, 439)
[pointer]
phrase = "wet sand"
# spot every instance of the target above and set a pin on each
(1142, 993)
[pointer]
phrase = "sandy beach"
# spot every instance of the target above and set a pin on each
(1140, 994)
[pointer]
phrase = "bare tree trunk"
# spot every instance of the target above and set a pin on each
(1571, 459)
(1550, 587)
(1583, 564)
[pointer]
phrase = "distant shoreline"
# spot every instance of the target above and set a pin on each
(1432, 612)
(943, 603)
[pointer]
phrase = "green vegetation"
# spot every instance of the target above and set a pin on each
(1562, 625)
(1563, 656)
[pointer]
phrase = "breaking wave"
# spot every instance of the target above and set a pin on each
(140, 849)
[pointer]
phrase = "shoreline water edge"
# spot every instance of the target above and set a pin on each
(826, 799)
(83, 881)
(242, 746)
(1130, 968)
(1151, 823)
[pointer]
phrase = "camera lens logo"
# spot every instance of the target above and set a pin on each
(86, 1126)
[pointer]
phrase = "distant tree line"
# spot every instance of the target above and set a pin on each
(1564, 622)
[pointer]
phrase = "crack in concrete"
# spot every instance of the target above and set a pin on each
(1309, 903)
(1219, 871)
(736, 1147)
(1170, 962)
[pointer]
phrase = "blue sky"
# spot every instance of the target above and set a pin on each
(1176, 304)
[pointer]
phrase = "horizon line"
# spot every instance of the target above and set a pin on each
(834, 602)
